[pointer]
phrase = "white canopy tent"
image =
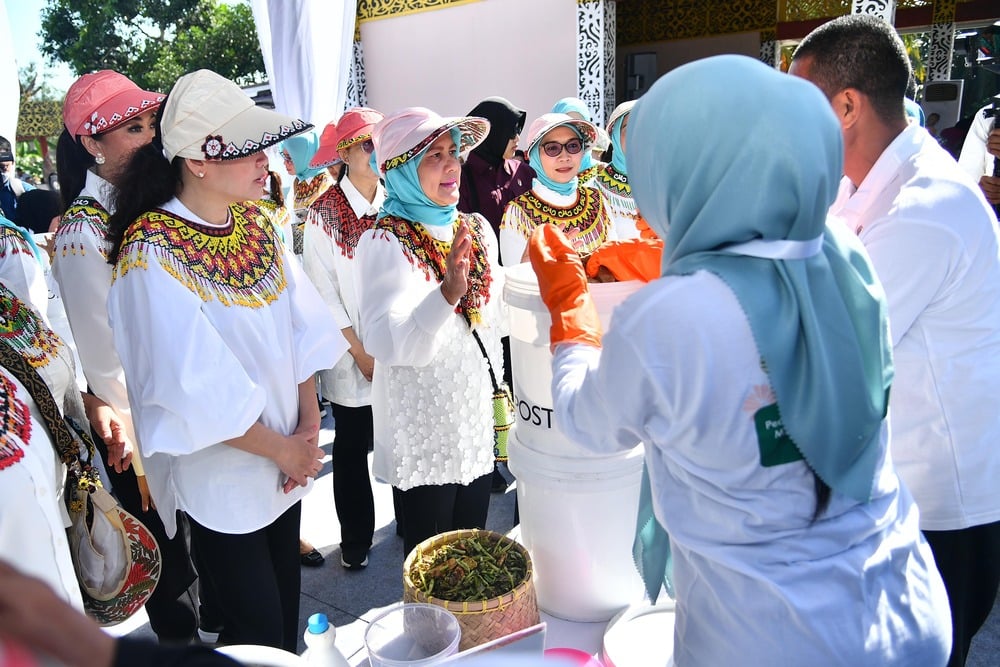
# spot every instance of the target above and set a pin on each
(307, 47)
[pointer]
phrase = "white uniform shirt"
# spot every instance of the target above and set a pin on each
(974, 159)
(934, 243)
(431, 393)
(757, 582)
(333, 271)
(201, 371)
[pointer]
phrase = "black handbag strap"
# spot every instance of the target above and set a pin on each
(66, 446)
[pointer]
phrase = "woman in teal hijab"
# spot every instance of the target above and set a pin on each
(309, 183)
(574, 107)
(755, 371)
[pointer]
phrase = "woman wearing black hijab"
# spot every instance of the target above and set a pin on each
(491, 176)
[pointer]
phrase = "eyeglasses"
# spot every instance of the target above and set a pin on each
(368, 146)
(554, 148)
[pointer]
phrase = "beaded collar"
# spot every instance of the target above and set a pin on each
(587, 218)
(238, 265)
(23, 330)
(339, 221)
(83, 213)
(429, 254)
(15, 419)
(304, 193)
(614, 181)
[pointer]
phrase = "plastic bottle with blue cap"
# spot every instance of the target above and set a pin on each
(320, 637)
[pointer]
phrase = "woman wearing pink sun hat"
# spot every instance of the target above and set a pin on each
(106, 117)
(334, 223)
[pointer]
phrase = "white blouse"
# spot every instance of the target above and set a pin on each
(209, 348)
(330, 262)
(431, 392)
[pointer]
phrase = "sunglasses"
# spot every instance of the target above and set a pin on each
(368, 146)
(555, 149)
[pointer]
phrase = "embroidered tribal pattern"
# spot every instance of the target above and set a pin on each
(15, 415)
(587, 219)
(339, 222)
(429, 254)
(344, 144)
(85, 216)
(610, 180)
(12, 244)
(98, 124)
(589, 173)
(23, 330)
(216, 148)
(238, 265)
(304, 193)
(471, 135)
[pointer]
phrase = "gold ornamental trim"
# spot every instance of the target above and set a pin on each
(373, 10)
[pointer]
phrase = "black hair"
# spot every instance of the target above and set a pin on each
(148, 180)
(863, 52)
(72, 163)
(274, 189)
(35, 210)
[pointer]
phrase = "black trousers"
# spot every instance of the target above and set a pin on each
(170, 608)
(432, 509)
(255, 579)
(969, 563)
(352, 486)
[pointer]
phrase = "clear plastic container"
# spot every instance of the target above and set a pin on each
(412, 634)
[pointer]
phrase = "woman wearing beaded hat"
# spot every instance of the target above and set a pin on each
(334, 223)
(206, 298)
(429, 287)
(106, 117)
(556, 144)
(612, 178)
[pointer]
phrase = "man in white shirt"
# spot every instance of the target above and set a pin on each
(980, 150)
(933, 241)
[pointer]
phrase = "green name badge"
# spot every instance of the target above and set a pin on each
(776, 448)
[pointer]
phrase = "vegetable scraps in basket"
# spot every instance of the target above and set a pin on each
(469, 568)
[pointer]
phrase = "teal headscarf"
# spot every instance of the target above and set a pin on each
(618, 153)
(404, 198)
(747, 201)
(535, 159)
(576, 105)
(301, 148)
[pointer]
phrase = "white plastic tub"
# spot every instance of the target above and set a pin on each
(578, 523)
(531, 360)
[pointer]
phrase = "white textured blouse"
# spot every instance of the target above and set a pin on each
(216, 327)
(431, 392)
(333, 224)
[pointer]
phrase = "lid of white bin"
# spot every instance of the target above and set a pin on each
(521, 288)
(641, 635)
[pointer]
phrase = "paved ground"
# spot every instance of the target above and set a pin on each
(351, 598)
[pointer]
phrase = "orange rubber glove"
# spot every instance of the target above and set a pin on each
(634, 259)
(563, 286)
(645, 231)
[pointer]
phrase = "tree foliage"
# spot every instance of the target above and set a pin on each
(153, 41)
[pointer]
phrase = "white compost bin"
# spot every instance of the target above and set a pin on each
(578, 508)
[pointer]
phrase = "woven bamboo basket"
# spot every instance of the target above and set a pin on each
(481, 620)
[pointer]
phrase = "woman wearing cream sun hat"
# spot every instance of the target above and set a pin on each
(220, 333)
(428, 274)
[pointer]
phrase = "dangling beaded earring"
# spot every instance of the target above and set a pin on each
(99, 159)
